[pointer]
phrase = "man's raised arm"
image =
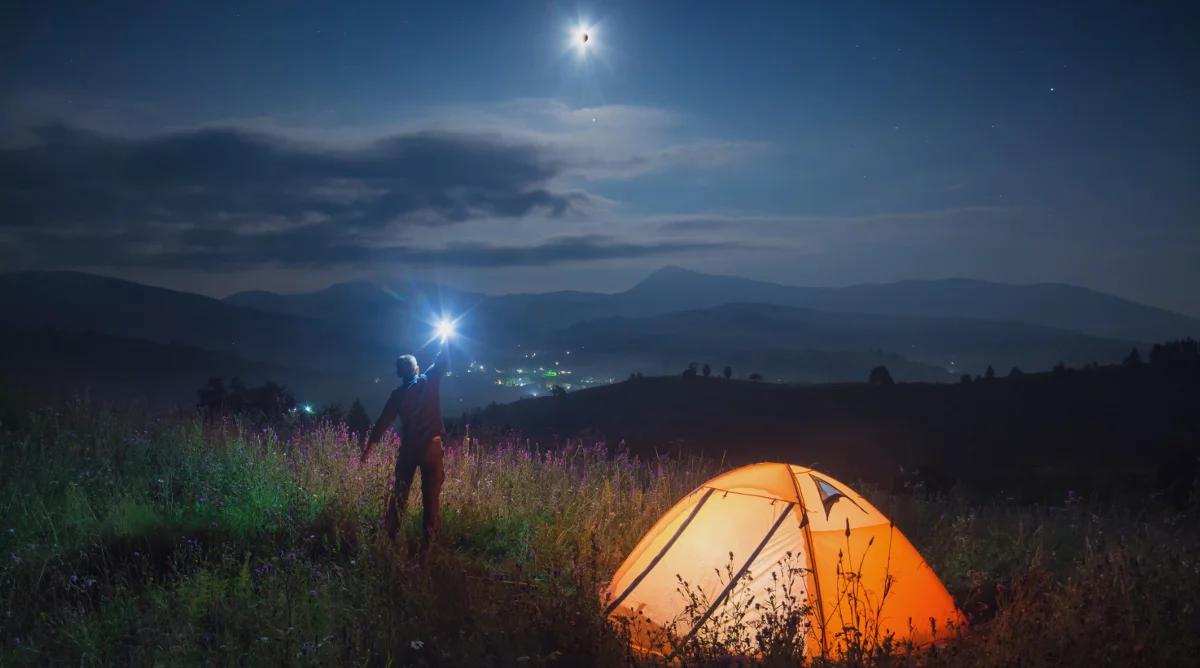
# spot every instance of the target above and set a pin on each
(437, 368)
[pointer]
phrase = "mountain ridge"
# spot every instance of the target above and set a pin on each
(673, 288)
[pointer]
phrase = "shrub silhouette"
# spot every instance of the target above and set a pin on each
(269, 403)
(1184, 353)
(357, 420)
(880, 376)
(1133, 359)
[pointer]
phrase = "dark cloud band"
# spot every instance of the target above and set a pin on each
(233, 197)
(310, 250)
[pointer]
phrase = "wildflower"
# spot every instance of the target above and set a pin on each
(417, 645)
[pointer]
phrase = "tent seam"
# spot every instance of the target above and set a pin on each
(806, 527)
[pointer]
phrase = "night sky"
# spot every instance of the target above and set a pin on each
(216, 147)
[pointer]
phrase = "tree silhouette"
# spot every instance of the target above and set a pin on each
(990, 374)
(706, 371)
(558, 391)
(1015, 372)
(1134, 358)
(728, 373)
(268, 403)
(755, 377)
(690, 371)
(965, 379)
(333, 413)
(880, 376)
(357, 419)
(213, 396)
(1175, 354)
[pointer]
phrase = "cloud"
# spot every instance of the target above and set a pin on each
(320, 247)
(256, 193)
(555, 251)
(956, 216)
(220, 176)
(79, 196)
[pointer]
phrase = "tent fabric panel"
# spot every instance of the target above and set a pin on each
(766, 479)
(649, 634)
(661, 551)
(771, 559)
(653, 541)
(874, 554)
(727, 523)
(742, 584)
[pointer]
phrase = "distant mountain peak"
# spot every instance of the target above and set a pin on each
(673, 275)
(671, 270)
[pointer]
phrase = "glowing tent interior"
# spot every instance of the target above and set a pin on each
(851, 568)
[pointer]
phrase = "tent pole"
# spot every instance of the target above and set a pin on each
(806, 527)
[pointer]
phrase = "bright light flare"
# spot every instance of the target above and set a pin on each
(444, 329)
(583, 38)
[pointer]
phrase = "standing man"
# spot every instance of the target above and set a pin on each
(417, 402)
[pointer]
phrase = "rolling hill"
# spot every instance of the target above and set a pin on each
(1032, 436)
(517, 317)
(117, 370)
(327, 360)
(79, 302)
(760, 337)
(1047, 304)
(927, 331)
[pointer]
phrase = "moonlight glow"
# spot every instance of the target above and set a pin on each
(583, 38)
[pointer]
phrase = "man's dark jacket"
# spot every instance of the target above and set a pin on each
(418, 404)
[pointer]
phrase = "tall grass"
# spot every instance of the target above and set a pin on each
(135, 540)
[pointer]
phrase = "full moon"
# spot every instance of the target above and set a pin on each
(581, 39)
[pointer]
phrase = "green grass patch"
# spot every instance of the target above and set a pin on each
(132, 540)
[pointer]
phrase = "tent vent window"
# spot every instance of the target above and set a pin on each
(830, 495)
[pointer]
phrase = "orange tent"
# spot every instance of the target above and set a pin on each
(785, 533)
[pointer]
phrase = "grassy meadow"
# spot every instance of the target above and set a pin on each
(138, 540)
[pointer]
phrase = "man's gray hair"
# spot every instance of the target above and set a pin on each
(408, 359)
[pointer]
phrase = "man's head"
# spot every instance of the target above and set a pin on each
(406, 367)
